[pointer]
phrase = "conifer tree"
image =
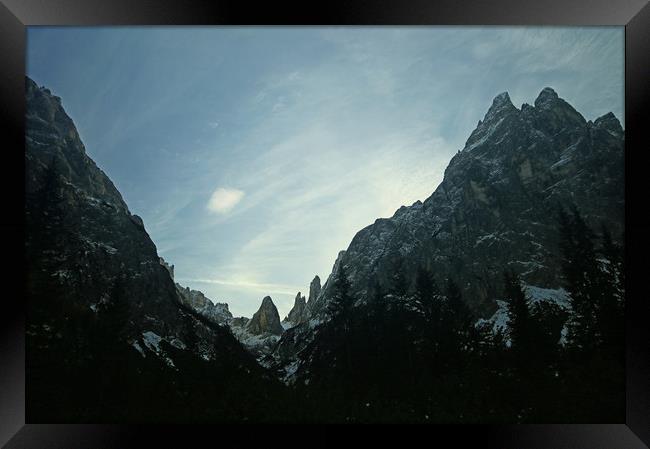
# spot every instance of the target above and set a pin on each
(191, 339)
(376, 308)
(519, 320)
(461, 316)
(426, 292)
(581, 273)
(456, 323)
(610, 316)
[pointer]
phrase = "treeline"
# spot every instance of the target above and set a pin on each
(416, 352)
(81, 368)
(404, 352)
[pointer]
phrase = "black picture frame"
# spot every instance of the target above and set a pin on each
(16, 15)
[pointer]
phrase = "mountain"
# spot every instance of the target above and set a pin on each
(266, 320)
(497, 204)
(413, 324)
(217, 313)
(495, 209)
(314, 290)
(260, 333)
(298, 312)
(107, 330)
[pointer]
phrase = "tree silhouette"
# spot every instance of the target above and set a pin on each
(426, 292)
(519, 320)
(610, 316)
(581, 274)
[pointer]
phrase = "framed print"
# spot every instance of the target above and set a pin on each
(420, 214)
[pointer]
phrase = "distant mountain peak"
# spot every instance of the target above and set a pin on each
(266, 320)
(610, 123)
(502, 98)
(553, 114)
(201, 304)
(501, 105)
(298, 313)
(314, 290)
(547, 94)
(513, 157)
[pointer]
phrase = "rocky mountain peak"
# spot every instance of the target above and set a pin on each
(48, 107)
(610, 123)
(201, 304)
(501, 105)
(59, 156)
(314, 289)
(501, 117)
(516, 167)
(91, 262)
(546, 97)
(168, 267)
(266, 320)
(553, 115)
(317, 303)
(502, 99)
(298, 313)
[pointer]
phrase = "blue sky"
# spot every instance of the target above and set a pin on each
(254, 154)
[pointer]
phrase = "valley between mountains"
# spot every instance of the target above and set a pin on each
(499, 298)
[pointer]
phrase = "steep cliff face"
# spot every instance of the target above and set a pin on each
(497, 205)
(496, 208)
(314, 291)
(81, 236)
(103, 312)
(298, 312)
(195, 300)
(266, 320)
(260, 333)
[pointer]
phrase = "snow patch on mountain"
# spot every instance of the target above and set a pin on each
(498, 322)
(152, 341)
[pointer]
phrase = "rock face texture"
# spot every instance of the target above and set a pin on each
(298, 312)
(497, 204)
(81, 236)
(218, 312)
(314, 290)
(496, 208)
(266, 320)
(170, 268)
(105, 323)
(260, 333)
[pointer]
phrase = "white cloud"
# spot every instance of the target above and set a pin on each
(213, 125)
(224, 199)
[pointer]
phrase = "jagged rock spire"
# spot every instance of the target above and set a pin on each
(610, 123)
(498, 117)
(546, 97)
(298, 313)
(266, 320)
(553, 114)
(314, 290)
(500, 105)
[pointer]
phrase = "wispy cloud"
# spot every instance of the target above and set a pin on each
(259, 286)
(320, 130)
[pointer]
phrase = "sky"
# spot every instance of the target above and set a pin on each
(255, 154)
